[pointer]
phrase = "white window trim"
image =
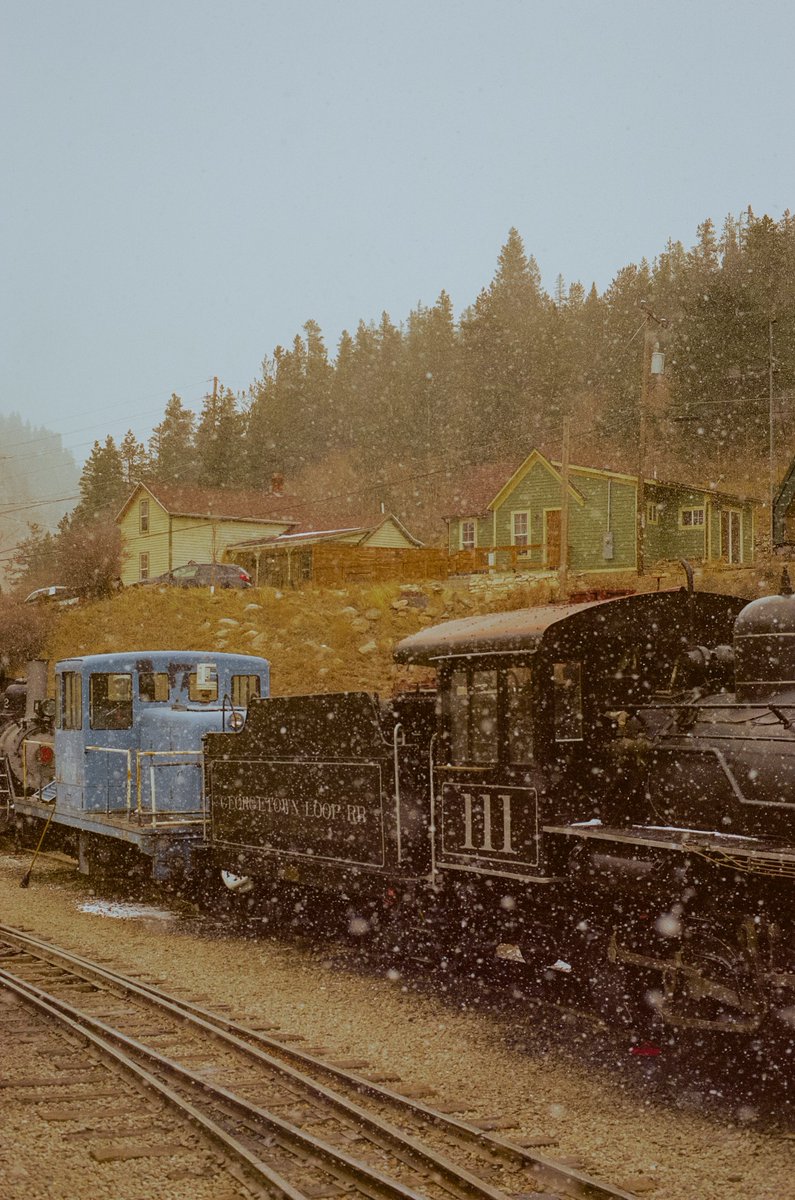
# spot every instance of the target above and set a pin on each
(653, 513)
(144, 555)
(466, 521)
(693, 508)
(520, 512)
(144, 511)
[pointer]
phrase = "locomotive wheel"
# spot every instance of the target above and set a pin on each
(715, 986)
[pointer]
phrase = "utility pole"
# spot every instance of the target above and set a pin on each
(771, 446)
(646, 362)
(563, 566)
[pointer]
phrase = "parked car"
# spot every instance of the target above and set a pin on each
(52, 595)
(193, 574)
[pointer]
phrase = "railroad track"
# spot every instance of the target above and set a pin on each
(295, 1124)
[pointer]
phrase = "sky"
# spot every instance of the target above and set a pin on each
(186, 183)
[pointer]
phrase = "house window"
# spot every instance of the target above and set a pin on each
(469, 534)
(519, 528)
(143, 516)
(143, 566)
(691, 518)
(652, 513)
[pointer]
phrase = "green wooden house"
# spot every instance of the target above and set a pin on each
(512, 520)
(784, 512)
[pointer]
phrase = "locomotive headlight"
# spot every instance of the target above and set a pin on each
(236, 721)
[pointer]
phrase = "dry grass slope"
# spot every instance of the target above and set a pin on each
(317, 640)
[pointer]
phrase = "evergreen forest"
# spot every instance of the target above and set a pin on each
(400, 412)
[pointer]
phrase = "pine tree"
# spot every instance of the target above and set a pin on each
(172, 454)
(102, 485)
(219, 441)
(34, 561)
(134, 458)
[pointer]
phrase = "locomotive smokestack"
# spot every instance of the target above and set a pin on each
(36, 686)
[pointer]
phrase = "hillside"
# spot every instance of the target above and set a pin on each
(317, 640)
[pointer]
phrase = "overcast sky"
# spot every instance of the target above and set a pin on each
(187, 182)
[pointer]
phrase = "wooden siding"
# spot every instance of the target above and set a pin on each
(172, 542)
(485, 531)
(609, 507)
(389, 534)
(155, 543)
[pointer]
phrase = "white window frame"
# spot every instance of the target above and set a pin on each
(723, 549)
(463, 545)
(143, 516)
(520, 512)
(143, 565)
(693, 508)
(653, 513)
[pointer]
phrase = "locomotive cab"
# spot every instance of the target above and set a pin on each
(129, 726)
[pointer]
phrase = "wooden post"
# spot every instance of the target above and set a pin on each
(563, 566)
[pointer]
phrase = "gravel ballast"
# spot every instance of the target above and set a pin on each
(494, 1057)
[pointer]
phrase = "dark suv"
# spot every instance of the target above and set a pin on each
(221, 575)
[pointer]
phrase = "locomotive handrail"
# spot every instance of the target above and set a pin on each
(152, 754)
(128, 753)
(465, 767)
(397, 733)
(432, 814)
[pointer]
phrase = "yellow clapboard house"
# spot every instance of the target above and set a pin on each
(164, 527)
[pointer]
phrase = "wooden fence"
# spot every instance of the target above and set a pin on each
(332, 563)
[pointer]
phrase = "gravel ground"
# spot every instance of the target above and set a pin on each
(499, 1056)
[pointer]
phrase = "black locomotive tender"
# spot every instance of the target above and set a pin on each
(589, 784)
(607, 788)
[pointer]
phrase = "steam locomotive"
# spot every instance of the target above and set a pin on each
(606, 789)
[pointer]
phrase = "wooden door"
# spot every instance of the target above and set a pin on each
(552, 538)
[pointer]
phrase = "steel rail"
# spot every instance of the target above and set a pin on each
(312, 1150)
(388, 1137)
(578, 1183)
(263, 1173)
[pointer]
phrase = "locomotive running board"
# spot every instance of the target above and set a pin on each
(743, 853)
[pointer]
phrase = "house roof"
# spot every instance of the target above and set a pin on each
(298, 537)
(218, 503)
(484, 486)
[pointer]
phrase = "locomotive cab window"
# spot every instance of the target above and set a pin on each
(519, 714)
(473, 716)
(202, 690)
(110, 700)
(243, 688)
(490, 715)
(567, 680)
(70, 701)
(153, 686)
